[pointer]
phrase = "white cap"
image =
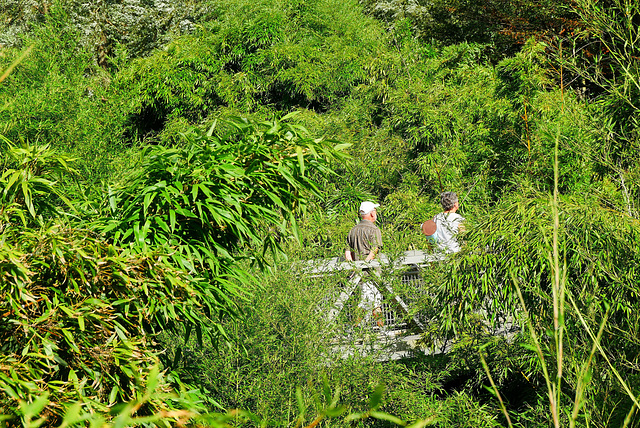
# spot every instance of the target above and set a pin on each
(366, 207)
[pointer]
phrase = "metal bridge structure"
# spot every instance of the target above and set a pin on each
(400, 330)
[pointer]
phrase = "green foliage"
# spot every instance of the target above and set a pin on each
(481, 132)
(613, 66)
(327, 407)
(54, 69)
(506, 25)
(511, 245)
(510, 252)
(165, 248)
(70, 289)
(20, 17)
(220, 191)
(65, 289)
(77, 314)
(77, 311)
(28, 185)
(285, 368)
(56, 96)
(33, 413)
(604, 56)
(133, 26)
(255, 56)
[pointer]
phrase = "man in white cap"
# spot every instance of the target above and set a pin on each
(364, 239)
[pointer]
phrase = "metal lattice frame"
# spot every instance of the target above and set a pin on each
(395, 308)
(401, 324)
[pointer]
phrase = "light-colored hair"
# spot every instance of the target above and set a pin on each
(448, 200)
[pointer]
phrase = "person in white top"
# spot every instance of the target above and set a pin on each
(448, 223)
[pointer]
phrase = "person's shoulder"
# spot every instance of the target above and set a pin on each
(362, 225)
(369, 226)
(455, 218)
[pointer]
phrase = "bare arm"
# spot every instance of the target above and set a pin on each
(372, 254)
(348, 256)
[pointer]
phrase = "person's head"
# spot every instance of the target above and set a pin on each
(449, 201)
(368, 211)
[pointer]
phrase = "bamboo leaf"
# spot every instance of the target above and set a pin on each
(387, 417)
(148, 198)
(172, 220)
(120, 333)
(300, 159)
(300, 401)
(376, 396)
(26, 193)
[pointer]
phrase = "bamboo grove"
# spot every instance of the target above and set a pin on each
(165, 166)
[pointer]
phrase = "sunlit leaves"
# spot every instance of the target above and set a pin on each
(220, 191)
(28, 186)
(511, 245)
(77, 314)
(81, 312)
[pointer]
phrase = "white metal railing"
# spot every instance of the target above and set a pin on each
(364, 275)
(409, 258)
(397, 308)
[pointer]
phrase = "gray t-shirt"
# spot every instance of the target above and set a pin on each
(363, 238)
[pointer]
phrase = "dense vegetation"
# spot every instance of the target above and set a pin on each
(166, 166)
